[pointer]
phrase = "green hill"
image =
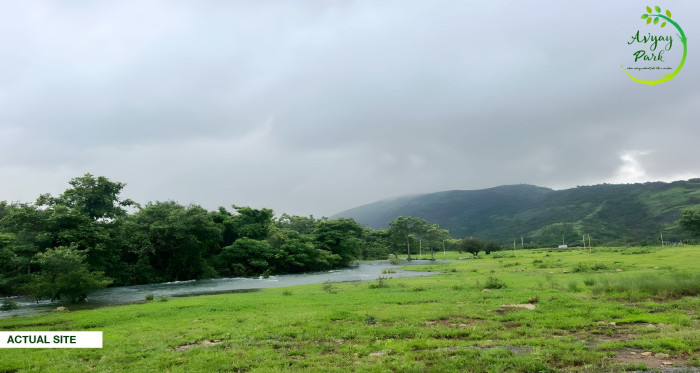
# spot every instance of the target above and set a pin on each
(610, 213)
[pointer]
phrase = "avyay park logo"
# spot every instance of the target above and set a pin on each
(656, 52)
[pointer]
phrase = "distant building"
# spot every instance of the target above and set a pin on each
(563, 246)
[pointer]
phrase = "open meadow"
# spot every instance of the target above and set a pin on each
(615, 309)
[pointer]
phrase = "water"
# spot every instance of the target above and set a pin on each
(365, 271)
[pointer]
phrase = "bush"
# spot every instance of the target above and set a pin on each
(494, 283)
(287, 293)
(381, 283)
(589, 281)
(370, 320)
(162, 298)
(65, 276)
(329, 287)
(9, 305)
(573, 286)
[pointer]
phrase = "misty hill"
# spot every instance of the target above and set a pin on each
(610, 213)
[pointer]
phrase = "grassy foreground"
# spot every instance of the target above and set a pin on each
(610, 310)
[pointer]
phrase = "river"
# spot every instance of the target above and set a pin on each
(365, 271)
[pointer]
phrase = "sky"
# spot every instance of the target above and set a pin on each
(314, 107)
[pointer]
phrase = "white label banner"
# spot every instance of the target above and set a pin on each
(50, 339)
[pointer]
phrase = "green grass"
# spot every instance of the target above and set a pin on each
(440, 323)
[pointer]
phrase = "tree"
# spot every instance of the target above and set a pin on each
(404, 226)
(340, 237)
(96, 197)
(247, 257)
(252, 223)
(435, 236)
(178, 240)
(690, 221)
(491, 246)
(64, 275)
(471, 245)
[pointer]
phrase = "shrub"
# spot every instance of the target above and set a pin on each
(599, 267)
(573, 286)
(149, 297)
(9, 305)
(287, 293)
(418, 288)
(494, 283)
(580, 267)
(329, 287)
(589, 282)
(381, 283)
(162, 298)
(370, 320)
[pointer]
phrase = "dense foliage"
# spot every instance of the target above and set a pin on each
(66, 246)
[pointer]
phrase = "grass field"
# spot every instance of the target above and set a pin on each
(616, 309)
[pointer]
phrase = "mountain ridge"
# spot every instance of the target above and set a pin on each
(612, 213)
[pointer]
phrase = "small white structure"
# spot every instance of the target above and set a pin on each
(563, 246)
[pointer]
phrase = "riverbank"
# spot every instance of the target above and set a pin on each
(581, 321)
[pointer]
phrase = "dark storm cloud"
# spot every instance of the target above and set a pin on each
(317, 106)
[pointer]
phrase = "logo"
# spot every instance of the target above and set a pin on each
(655, 53)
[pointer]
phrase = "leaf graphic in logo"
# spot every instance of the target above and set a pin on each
(663, 24)
(648, 20)
(658, 10)
(645, 16)
(656, 20)
(648, 9)
(668, 13)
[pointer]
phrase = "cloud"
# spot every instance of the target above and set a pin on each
(321, 106)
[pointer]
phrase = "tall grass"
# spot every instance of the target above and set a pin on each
(669, 286)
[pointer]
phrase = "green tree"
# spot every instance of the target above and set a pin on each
(435, 237)
(97, 197)
(340, 237)
(64, 275)
(178, 240)
(403, 227)
(471, 245)
(252, 223)
(690, 221)
(247, 257)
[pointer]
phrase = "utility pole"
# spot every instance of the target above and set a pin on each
(420, 248)
(444, 253)
(584, 242)
(589, 243)
(562, 240)
(514, 252)
(522, 243)
(662, 238)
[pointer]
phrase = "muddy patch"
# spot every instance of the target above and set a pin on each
(206, 342)
(656, 361)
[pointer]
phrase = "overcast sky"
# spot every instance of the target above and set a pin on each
(313, 107)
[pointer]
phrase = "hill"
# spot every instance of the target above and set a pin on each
(610, 213)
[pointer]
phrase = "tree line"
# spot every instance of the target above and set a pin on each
(88, 237)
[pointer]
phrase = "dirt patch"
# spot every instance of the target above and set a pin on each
(206, 342)
(661, 362)
(453, 322)
(513, 307)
